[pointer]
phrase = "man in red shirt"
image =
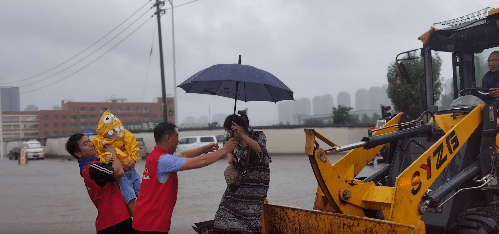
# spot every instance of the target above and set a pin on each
(158, 192)
(100, 180)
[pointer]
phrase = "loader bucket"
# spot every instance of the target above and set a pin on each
(281, 219)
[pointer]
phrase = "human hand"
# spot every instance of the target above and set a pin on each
(231, 159)
(238, 130)
(109, 158)
(131, 164)
(229, 145)
(210, 148)
(494, 92)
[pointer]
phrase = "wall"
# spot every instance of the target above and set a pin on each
(279, 141)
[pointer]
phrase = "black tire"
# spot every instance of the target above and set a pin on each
(476, 221)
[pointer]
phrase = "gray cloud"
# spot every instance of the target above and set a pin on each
(315, 47)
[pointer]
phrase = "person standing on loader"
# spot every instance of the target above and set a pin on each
(491, 78)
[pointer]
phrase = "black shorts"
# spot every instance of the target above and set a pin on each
(124, 227)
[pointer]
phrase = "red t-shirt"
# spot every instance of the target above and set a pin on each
(105, 194)
(156, 200)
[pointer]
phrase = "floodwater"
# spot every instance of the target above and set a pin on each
(48, 196)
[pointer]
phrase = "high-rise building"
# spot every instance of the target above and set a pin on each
(343, 99)
(11, 100)
(285, 112)
(361, 99)
(375, 97)
(291, 111)
(323, 104)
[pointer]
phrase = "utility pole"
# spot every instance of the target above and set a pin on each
(158, 14)
(174, 69)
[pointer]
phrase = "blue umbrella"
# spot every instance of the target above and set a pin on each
(241, 82)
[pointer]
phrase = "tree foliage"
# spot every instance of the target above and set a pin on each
(447, 100)
(407, 97)
(481, 67)
(213, 125)
(341, 115)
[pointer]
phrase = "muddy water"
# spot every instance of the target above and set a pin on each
(48, 196)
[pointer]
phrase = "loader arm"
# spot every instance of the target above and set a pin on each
(334, 179)
(338, 192)
(416, 179)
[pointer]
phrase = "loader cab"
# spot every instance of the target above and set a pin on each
(463, 39)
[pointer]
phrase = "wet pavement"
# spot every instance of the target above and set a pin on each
(48, 196)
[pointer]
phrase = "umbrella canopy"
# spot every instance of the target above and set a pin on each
(241, 82)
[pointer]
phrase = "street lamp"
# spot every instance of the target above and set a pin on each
(174, 69)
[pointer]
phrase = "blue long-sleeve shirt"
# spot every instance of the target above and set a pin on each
(490, 80)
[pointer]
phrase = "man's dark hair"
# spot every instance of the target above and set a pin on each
(494, 52)
(163, 129)
(241, 120)
(72, 145)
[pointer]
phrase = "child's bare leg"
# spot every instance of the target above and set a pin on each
(130, 206)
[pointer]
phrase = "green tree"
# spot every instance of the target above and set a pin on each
(407, 97)
(374, 118)
(341, 115)
(213, 125)
(447, 100)
(365, 119)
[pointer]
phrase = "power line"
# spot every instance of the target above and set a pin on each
(148, 65)
(91, 61)
(82, 50)
(182, 4)
(87, 55)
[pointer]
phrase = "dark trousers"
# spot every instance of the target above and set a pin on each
(124, 227)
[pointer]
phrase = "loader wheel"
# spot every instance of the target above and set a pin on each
(476, 221)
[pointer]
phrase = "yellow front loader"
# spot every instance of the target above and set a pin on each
(442, 169)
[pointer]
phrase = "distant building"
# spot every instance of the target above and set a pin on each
(361, 99)
(285, 112)
(11, 99)
(343, 99)
(292, 111)
(371, 100)
(323, 104)
(82, 117)
(20, 125)
(375, 96)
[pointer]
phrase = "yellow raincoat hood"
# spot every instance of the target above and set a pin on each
(111, 125)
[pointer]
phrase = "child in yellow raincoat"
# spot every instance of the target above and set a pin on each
(110, 131)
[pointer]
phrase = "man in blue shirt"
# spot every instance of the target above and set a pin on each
(491, 78)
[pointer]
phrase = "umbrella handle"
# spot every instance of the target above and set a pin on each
(235, 102)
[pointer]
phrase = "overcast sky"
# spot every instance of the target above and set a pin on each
(314, 47)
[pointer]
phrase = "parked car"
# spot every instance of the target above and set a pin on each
(14, 153)
(33, 150)
(192, 142)
(142, 147)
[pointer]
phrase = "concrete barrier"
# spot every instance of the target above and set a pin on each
(279, 141)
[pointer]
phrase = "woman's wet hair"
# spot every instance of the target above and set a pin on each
(241, 120)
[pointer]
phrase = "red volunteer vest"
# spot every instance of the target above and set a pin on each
(155, 203)
(111, 207)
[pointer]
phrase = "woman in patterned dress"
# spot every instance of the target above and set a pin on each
(241, 206)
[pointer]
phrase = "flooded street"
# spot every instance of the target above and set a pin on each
(48, 196)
